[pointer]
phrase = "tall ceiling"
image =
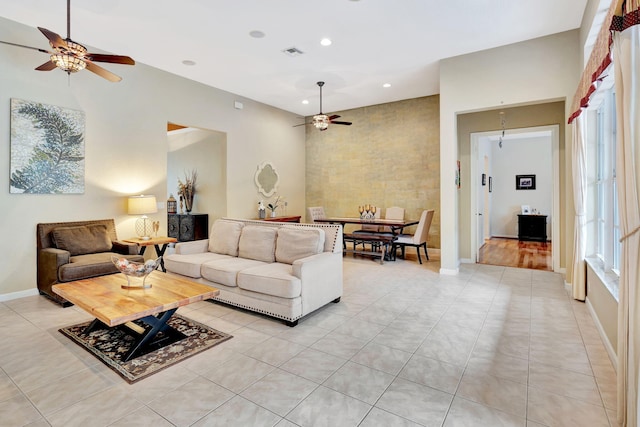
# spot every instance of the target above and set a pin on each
(399, 42)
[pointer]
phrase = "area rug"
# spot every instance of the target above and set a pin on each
(110, 346)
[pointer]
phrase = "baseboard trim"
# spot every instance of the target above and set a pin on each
(449, 271)
(19, 294)
(603, 336)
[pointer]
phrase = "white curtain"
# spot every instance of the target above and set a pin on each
(579, 156)
(626, 57)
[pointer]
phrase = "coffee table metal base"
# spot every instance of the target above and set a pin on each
(145, 337)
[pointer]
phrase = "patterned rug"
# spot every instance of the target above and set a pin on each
(110, 345)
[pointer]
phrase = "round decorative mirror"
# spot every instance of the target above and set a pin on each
(267, 179)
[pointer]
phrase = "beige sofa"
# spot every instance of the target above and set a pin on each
(283, 270)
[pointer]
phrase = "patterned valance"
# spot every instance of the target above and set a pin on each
(621, 15)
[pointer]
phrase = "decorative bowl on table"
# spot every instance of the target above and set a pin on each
(134, 271)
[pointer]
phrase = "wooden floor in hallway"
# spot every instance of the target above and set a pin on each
(514, 253)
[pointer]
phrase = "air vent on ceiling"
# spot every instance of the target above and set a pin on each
(293, 51)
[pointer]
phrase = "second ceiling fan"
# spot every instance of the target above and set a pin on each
(321, 121)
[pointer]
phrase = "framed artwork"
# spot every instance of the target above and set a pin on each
(484, 179)
(458, 174)
(47, 149)
(490, 184)
(525, 182)
(526, 210)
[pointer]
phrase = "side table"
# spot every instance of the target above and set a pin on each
(156, 242)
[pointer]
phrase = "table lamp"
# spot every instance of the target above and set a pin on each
(142, 205)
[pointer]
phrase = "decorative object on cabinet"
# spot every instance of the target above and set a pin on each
(525, 182)
(266, 178)
(142, 205)
(187, 189)
(172, 205)
(273, 206)
(261, 210)
(526, 210)
(187, 227)
(47, 149)
(532, 227)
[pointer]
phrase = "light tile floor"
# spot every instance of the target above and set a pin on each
(492, 346)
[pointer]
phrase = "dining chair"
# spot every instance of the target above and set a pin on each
(393, 212)
(417, 240)
(316, 212)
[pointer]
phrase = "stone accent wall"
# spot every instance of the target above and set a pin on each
(390, 156)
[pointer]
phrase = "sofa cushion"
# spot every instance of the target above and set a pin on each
(92, 265)
(258, 242)
(294, 243)
(274, 279)
(189, 265)
(225, 271)
(225, 236)
(82, 239)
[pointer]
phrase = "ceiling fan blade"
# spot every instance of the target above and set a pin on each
(47, 66)
(114, 59)
(335, 116)
(55, 40)
(301, 124)
(341, 123)
(27, 47)
(102, 72)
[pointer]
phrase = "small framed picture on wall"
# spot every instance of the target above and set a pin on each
(525, 182)
(484, 179)
(490, 184)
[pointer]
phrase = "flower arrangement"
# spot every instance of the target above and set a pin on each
(273, 206)
(187, 189)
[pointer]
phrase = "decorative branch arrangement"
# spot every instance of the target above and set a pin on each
(187, 189)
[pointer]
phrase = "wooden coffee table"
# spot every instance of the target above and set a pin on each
(112, 306)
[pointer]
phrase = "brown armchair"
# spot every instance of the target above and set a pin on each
(68, 251)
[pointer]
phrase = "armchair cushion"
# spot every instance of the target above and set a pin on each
(83, 239)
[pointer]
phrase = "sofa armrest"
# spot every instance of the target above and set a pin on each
(321, 277)
(124, 248)
(192, 247)
(49, 260)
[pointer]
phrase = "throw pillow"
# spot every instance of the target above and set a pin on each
(295, 243)
(82, 239)
(257, 242)
(224, 237)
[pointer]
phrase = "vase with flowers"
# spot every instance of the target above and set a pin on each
(273, 206)
(187, 189)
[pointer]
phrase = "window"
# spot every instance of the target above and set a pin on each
(603, 226)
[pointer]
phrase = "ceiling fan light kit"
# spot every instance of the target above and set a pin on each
(322, 121)
(72, 57)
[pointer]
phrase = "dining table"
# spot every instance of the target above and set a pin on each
(396, 226)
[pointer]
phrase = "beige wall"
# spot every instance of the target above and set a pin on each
(389, 157)
(551, 113)
(535, 71)
(126, 146)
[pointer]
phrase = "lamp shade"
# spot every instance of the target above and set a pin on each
(142, 205)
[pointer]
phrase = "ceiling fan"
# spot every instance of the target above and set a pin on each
(321, 121)
(72, 57)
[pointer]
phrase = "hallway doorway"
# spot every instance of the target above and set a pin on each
(495, 205)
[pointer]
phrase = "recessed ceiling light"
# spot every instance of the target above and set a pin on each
(189, 62)
(386, 85)
(257, 34)
(325, 42)
(305, 101)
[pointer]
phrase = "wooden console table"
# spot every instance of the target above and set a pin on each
(282, 218)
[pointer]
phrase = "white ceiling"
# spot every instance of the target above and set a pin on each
(374, 41)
